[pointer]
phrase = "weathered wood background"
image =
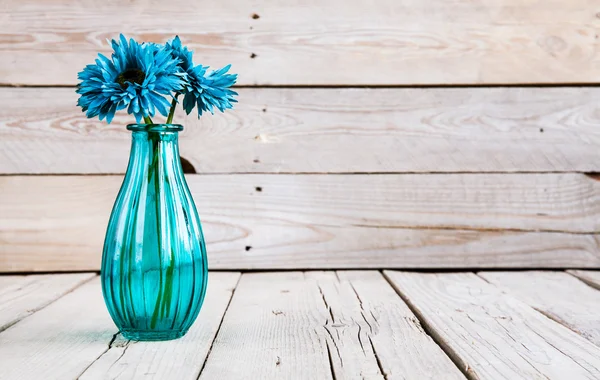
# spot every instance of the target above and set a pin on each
(399, 134)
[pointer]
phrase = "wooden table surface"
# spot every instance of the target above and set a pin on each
(317, 325)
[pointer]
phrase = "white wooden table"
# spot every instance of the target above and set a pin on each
(317, 325)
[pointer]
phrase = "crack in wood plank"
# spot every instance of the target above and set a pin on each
(109, 346)
(116, 342)
(331, 366)
(358, 336)
(381, 370)
(333, 340)
(327, 305)
(468, 228)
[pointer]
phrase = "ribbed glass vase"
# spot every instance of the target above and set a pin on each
(154, 267)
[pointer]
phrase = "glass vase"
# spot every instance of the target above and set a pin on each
(154, 266)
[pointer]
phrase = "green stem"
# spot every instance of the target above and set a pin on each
(155, 165)
(172, 110)
(147, 120)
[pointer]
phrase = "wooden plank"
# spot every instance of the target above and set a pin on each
(21, 296)
(271, 329)
(321, 326)
(557, 295)
(59, 341)
(177, 359)
(298, 130)
(342, 221)
(592, 278)
(491, 334)
(373, 333)
(296, 42)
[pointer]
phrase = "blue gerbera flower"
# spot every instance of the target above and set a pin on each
(138, 77)
(206, 91)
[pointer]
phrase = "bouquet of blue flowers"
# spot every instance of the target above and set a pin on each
(149, 77)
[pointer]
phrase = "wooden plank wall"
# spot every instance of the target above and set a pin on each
(402, 134)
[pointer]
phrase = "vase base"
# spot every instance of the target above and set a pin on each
(152, 335)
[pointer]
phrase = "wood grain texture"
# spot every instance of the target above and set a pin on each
(319, 325)
(491, 334)
(179, 359)
(592, 278)
(308, 221)
(21, 296)
(373, 334)
(316, 42)
(271, 330)
(276, 130)
(557, 295)
(59, 341)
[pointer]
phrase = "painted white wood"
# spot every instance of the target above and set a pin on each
(178, 359)
(59, 341)
(341, 221)
(372, 332)
(317, 42)
(491, 334)
(276, 130)
(557, 295)
(21, 296)
(322, 325)
(271, 331)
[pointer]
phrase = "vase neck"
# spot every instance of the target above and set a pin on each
(155, 147)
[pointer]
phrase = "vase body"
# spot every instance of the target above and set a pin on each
(154, 266)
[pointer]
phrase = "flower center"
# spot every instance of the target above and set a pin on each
(132, 76)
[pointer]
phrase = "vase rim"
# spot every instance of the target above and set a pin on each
(155, 127)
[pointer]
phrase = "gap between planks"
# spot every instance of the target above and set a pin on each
(24, 295)
(220, 324)
(357, 86)
(590, 174)
(560, 296)
(432, 332)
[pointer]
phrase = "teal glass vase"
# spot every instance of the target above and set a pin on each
(154, 266)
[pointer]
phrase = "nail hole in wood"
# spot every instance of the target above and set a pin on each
(188, 168)
(541, 130)
(256, 160)
(258, 188)
(255, 16)
(248, 247)
(264, 110)
(252, 55)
